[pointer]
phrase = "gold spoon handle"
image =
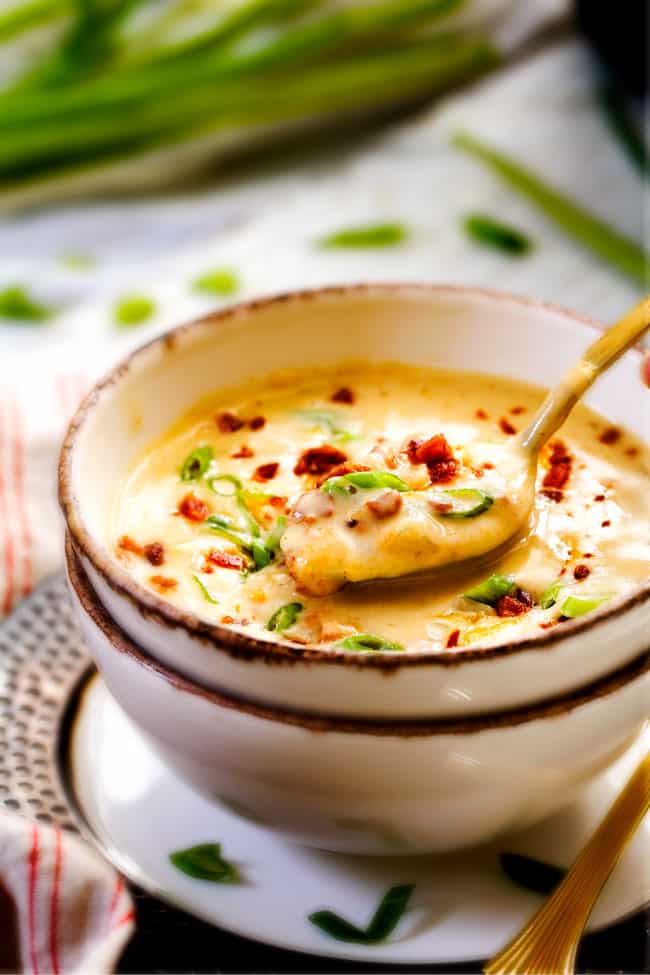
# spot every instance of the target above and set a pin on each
(549, 941)
(598, 357)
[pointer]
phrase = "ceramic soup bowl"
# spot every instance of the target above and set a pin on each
(441, 327)
(368, 787)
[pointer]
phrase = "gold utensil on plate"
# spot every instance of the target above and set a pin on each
(549, 941)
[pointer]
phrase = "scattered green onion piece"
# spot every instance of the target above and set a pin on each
(133, 310)
(492, 589)
(274, 537)
(284, 617)
(78, 262)
(224, 526)
(239, 494)
(384, 921)
(367, 643)
(261, 555)
(551, 596)
(16, 304)
(589, 230)
(221, 282)
(206, 592)
(531, 874)
(196, 464)
(492, 233)
(364, 480)
(377, 235)
(329, 422)
(468, 502)
(204, 862)
(579, 605)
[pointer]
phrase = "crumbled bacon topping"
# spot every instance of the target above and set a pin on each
(517, 410)
(277, 501)
(319, 460)
(244, 451)
(559, 470)
(257, 422)
(154, 553)
(226, 560)
(514, 605)
(193, 508)
(228, 422)
(385, 505)
(481, 415)
(605, 524)
(599, 497)
(266, 472)
(437, 455)
(343, 395)
(610, 435)
(452, 639)
(127, 544)
(581, 572)
(163, 583)
(506, 426)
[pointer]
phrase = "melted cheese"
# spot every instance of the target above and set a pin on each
(600, 521)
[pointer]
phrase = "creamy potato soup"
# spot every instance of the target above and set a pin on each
(207, 516)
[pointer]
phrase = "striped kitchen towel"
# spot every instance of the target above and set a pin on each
(62, 908)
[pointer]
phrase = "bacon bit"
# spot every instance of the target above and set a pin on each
(228, 422)
(266, 472)
(437, 455)
(193, 508)
(319, 460)
(581, 572)
(605, 524)
(127, 544)
(226, 560)
(520, 602)
(558, 473)
(478, 471)
(610, 435)
(388, 503)
(588, 555)
(518, 410)
(277, 501)
(341, 469)
(154, 553)
(599, 497)
(343, 395)
(481, 415)
(440, 507)
(632, 452)
(257, 422)
(488, 465)
(163, 583)
(506, 426)
(563, 570)
(352, 522)
(244, 451)
(227, 619)
(452, 639)
(547, 625)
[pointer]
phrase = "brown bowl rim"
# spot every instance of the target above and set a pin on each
(314, 721)
(240, 645)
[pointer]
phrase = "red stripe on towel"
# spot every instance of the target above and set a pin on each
(31, 899)
(54, 902)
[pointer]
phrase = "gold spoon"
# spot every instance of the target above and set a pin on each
(323, 552)
(549, 942)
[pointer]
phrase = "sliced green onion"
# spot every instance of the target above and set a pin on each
(196, 464)
(589, 230)
(467, 502)
(239, 494)
(384, 921)
(205, 862)
(262, 552)
(78, 262)
(367, 643)
(284, 617)
(531, 874)
(329, 422)
(492, 233)
(222, 282)
(15, 303)
(552, 594)
(377, 235)
(364, 480)
(492, 589)
(224, 526)
(206, 592)
(133, 310)
(579, 605)
(274, 537)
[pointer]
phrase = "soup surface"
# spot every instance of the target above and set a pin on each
(201, 517)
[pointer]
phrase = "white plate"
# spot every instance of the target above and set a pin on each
(463, 907)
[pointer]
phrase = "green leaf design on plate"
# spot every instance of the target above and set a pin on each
(204, 862)
(16, 304)
(382, 924)
(374, 235)
(132, 310)
(493, 233)
(531, 874)
(222, 281)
